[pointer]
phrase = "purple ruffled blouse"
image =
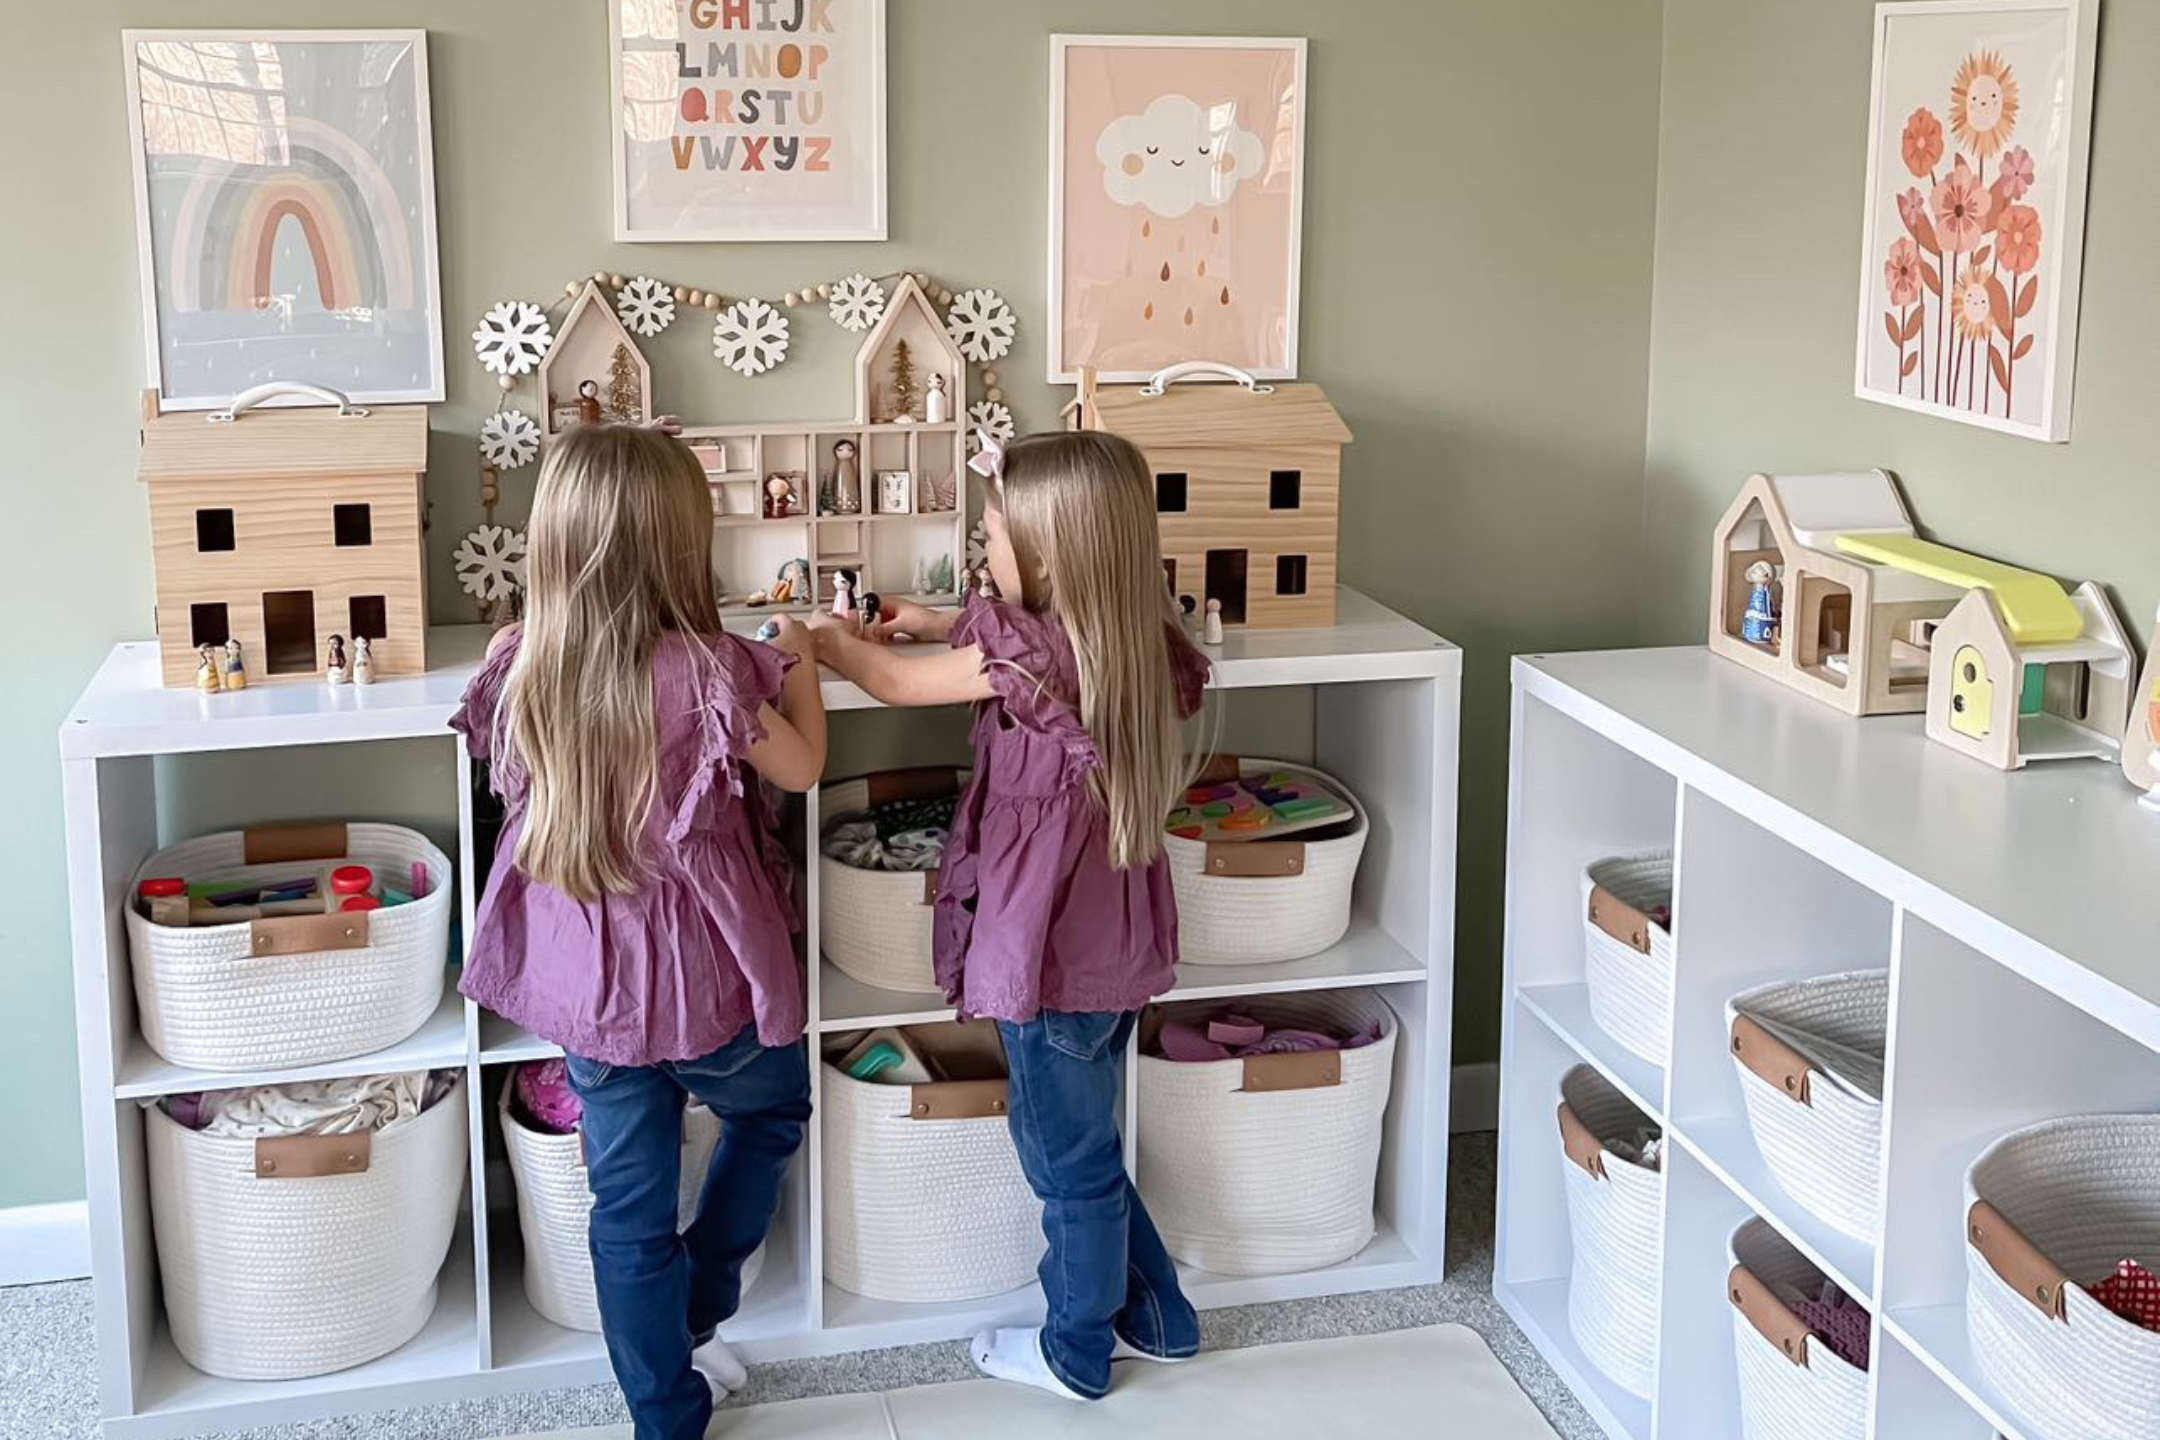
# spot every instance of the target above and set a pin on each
(1030, 915)
(706, 945)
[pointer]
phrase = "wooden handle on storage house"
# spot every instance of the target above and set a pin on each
(2017, 1260)
(1771, 1319)
(286, 844)
(1581, 1143)
(307, 1157)
(1619, 919)
(1780, 1066)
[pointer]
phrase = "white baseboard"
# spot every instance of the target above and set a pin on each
(39, 1243)
(1474, 1097)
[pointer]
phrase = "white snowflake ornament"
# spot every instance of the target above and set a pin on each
(491, 562)
(645, 306)
(509, 440)
(512, 337)
(991, 416)
(750, 337)
(981, 324)
(858, 303)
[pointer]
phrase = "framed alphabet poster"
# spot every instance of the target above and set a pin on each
(748, 119)
(1177, 173)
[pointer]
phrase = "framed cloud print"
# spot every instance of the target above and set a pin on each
(1980, 114)
(748, 119)
(1177, 168)
(285, 212)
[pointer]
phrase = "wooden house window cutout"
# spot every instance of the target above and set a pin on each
(370, 616)
(209, 623)
(214, 530)
(1290, 575)
(1283, 487)
(289, 631)
(352, 525)
(1170, 492)
(1226, 582)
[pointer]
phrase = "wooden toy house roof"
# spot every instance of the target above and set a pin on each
(270, 444)
(1216, 414)
(907, 299)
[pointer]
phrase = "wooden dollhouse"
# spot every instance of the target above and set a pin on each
(280, 528)
(1248, 485)
(593, 346)
(881, 495)
(1998, 693)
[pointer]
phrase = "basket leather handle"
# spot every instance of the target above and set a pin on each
(2017, 1260)
(1581, 1143)
(309, 1157)
(281, 844)
(1622, 921)
(929, 885)
(1308, 1070)
(1776, 1063)
(1768, 1315)
(307, 934)
(1255, 859)
(957, 1100)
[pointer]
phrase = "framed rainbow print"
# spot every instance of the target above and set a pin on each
(1978, 124)
(285, 212)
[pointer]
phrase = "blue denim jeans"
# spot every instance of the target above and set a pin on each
(662, 1292)
(1106, 1274)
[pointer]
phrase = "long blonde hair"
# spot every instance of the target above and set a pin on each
(619, 552)
(1080, 512)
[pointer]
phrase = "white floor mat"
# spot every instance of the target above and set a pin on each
(1406, 1382)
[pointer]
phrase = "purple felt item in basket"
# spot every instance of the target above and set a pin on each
(1842, 1325)
(544, 1093)
(1236, 1030)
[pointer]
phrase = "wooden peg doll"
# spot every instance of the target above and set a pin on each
(334, 670)
(843, 594)
(1212, 633)
(235, 668)
(363, 661)
(209, 675)
(588, 402)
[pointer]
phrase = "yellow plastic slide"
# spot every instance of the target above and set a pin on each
(2036, 609)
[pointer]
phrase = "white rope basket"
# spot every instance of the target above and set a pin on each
(1267, 1165)
(1291, 900)
(1819, 1123)
(280, 1274)
(555, 1210)
(1627, 956)
(875, 924)
(924, 1197)
(294, 990)
(1613, 1219)
(1806, 1391)
(2069, 1199)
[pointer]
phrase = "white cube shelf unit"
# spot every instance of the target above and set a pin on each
(1376, 694)
(2016, 914)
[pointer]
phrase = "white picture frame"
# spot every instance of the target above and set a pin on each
(649, 85)
(363, 205)
(895, 492)
(2017, 60)
(1082, 334)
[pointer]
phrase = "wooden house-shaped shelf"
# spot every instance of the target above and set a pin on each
(281, 528)
(907, 537)
(1248, 490)
(593, 345)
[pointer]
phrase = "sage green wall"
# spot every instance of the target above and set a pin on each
(1760, 183)
(1476, 299)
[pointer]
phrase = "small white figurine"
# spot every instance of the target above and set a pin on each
(843, 594)
(235, 671)
(207, 671)
(334, 668)
(363, 661)
(934, 403)
(1211, 634)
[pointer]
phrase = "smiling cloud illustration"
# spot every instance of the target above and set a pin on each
(1176, 154)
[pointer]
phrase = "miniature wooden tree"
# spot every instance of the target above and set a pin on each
(903, 381)
(623, 388)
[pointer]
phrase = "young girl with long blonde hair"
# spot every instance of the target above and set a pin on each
(638, 913)
(1054, 910)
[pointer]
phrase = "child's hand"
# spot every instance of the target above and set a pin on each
(790, 635)
(904, 617)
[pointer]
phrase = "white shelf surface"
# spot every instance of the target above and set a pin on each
(1565, 1009)
(1935, 1335)
(437, 1043)
(1539, 1310)
(1726, 1148)
(1366, 955)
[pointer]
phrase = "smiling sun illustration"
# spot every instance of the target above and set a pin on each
(1983, 103)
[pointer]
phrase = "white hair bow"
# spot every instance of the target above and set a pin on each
(989, 458)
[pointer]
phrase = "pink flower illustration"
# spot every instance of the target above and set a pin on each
(1902, 273)
(1961, 207)
(2017, 239)
(2015, 175)
(1923, 144)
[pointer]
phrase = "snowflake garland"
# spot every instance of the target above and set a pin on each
(491, 562)
(858, 302)
(981, 324)
(512, 337)
(509, 440)
(645, 306)
(750, 337)
(991, 416)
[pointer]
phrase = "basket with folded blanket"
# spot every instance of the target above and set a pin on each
(877, 872)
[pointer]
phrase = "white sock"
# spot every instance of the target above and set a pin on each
(1017, 1355)
(1123, 1350)
(719, 1366)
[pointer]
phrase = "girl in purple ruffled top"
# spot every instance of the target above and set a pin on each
(1054, 910)
(639, 912)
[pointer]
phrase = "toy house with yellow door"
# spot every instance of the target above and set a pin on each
(1248, 488)
(283, 527)
(2006, 688)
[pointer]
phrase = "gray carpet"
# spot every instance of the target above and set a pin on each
(47, 1391)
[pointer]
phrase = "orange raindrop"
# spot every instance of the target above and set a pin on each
(1188, 315)
(1147, 228)
(1148, 312)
